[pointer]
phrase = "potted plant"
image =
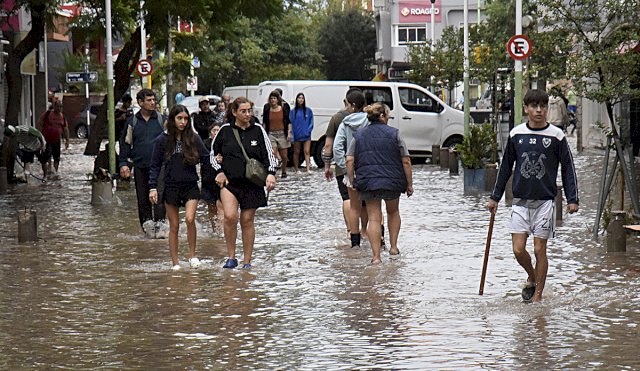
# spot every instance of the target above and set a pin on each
(477, 150)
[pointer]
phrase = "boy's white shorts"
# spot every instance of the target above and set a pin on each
(539, 222)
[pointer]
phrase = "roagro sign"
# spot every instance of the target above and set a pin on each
(419, 11)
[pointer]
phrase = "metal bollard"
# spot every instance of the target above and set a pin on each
(4, 183)
(616, 235)
(453, 162)
(27, 226)
(435, 154)
(559, 203)
(444, 158)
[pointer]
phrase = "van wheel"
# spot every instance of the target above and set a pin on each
(317, 153)
(452, 142)
(82, 132)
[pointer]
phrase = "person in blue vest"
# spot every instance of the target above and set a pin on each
(379, 167)
(136, 145)
(537, 149)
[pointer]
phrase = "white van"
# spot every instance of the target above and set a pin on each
(248, 91)
(422, 118)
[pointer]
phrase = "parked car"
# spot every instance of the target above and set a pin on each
(78, 124)
(191, 102)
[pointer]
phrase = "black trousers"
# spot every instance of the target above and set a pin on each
(141, 176)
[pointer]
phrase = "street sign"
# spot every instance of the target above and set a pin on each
(192, 83)
(519, 47)
(82, 77)
(144, 67)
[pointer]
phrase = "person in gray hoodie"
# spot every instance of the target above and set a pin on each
(354, 121)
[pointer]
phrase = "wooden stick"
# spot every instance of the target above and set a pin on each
(486, 253)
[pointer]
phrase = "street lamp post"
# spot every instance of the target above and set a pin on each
(466, 67)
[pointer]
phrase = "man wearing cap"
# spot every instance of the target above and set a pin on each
(203, 120)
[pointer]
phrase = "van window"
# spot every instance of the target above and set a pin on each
(377, 94)
(417, 101)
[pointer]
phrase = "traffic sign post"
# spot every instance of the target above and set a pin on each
(519, 47)
(144, 68)
(73, 77)
(192, 83)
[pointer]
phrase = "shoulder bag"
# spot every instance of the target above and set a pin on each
(254, 170)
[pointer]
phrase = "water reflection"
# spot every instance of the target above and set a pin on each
(94, 293)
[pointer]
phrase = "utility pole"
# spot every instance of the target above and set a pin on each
(517, 98)
(110, 98)
(467, 112)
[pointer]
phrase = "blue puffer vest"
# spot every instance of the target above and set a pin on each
(378, 163)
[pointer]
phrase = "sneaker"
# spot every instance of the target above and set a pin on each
(230, 263)
(246, 266)
(194, 262)
(528, 291)
(176, 267)
(284, 175)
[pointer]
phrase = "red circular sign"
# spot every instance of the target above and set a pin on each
(519, 47)
(144, 67)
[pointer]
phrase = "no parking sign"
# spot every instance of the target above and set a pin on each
(519, 47)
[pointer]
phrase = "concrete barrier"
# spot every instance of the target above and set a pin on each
(27, 226)
(616, 235)
(453, 162)
(435, 154)
(444, 158)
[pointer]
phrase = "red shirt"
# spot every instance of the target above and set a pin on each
(53, 125)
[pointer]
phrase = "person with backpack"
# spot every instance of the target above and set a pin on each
(53, 126)
(136, 145)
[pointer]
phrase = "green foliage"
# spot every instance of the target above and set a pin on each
(445, 63)
(479, 147)
(347, 40)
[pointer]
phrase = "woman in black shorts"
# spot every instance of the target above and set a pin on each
(236, 190)
(179, 149)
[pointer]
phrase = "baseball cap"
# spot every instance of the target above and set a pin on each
(203, 99)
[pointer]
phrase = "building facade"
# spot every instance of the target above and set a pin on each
(401, 23)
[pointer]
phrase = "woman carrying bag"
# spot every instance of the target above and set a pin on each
(236, 141)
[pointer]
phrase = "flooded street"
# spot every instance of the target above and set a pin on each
(93, 293)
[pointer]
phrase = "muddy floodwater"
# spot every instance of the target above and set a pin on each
(93, 293)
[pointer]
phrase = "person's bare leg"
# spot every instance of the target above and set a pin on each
(354, 212)
(307, 155)
(364, 219)
(542, 266)
(174, 226)
(213, 212)
(190, 221)
(345, 215)
(296, 156)
(248, 233)
(519, 244)
(230, 206)
(285, 159)
(393, 224)
(374, 231)
(220, 211)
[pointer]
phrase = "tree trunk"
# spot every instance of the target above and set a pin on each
(14, 82)
(122, 69)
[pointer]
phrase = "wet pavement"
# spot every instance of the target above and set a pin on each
(94, 293)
